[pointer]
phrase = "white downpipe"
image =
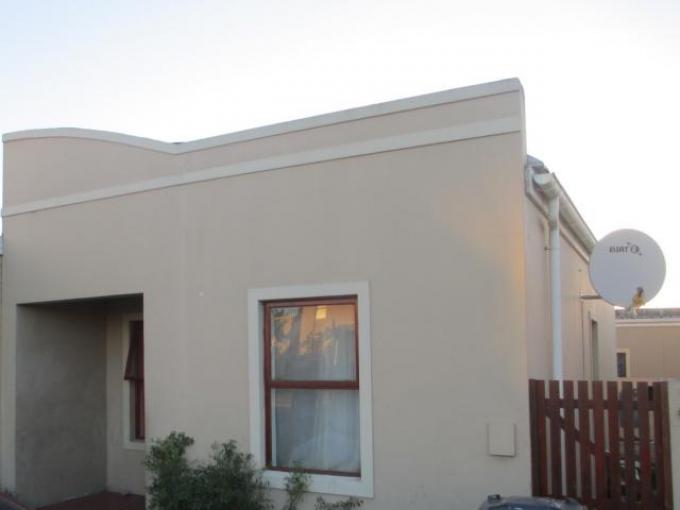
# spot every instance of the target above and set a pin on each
(550, 188)
(555, 287)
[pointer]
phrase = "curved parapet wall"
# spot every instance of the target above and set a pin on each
(69, 165)
(353, 114)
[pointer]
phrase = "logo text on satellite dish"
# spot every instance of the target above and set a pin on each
(631, 248)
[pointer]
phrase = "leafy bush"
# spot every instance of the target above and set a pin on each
(345, 504)
(173, 479)
(297, 483)
(229, 482)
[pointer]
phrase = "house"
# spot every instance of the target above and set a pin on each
(365, 292)
(648, 343)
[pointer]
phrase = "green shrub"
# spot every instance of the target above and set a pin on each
(297, 483)
(345, 504)
(228, 482)
(172, 486)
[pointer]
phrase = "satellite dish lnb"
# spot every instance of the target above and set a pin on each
(627, 268)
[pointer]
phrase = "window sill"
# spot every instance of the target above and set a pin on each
(134, 445)
(325, 484)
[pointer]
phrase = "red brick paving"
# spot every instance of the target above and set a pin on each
(102, 501)
(7, 502)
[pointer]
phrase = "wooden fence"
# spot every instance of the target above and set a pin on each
(610, 451)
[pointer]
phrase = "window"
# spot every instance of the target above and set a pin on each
(134, 376)
(623, 363)
(310, 385)
(311, 377)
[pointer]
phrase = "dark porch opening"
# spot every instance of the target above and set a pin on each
(63, 411)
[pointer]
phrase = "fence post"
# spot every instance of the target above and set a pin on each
(674, 419)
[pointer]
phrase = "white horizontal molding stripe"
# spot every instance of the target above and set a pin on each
(412, 140)
(329, 119)
(646, 323)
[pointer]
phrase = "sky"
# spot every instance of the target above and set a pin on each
(601, 79)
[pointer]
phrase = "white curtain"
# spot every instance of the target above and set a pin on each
(318, 430)
(315, 429)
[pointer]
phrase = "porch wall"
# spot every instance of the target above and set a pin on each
(61, 403)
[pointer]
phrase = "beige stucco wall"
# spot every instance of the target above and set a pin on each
(654, 348)
(576, 313)
(436, 231)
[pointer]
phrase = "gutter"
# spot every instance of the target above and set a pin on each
(538, 175)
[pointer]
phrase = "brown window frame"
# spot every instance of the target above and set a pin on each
(134, 374)
(271, 384)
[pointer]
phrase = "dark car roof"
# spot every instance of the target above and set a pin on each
(527, 503)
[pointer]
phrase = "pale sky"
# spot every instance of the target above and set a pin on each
(601, 78)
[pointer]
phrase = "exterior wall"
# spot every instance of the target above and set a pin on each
(435, 229)
(537, 263)
(61, 403)
(576, 313)
(654, 348)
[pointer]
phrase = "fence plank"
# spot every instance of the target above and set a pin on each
(666, 450)
(629, 444)
(614, 445)
(533, 421)
(569, 440)
(598, 424)
(658, 444)
(540, 433)
(584, 440)
(644, 439)
(555, 439)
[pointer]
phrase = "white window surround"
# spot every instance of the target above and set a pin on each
(128, 443)
(328, 484)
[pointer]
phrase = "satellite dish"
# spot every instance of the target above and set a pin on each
(627, 268)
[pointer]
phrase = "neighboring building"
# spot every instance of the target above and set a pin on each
(394, 259)
(648, 343)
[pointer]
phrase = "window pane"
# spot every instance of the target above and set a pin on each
(315, 342)
(134, 365)
(621, 364)
(316, 429)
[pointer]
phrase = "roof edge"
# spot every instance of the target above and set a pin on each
(569, 213)
(328, 119)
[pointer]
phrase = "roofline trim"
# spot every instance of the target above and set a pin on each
(328, 119)
(632, 323)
